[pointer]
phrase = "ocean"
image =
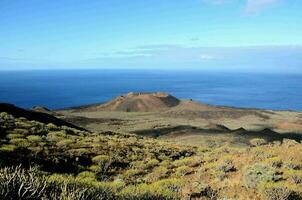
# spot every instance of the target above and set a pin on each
(68, 88)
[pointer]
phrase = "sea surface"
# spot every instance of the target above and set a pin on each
(63, 88)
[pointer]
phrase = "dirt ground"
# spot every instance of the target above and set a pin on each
(194, 123)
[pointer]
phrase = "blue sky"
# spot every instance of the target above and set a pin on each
(245, 35)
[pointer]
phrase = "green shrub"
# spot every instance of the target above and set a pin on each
(21, 131)
(157, 174)
(199, 190)
(167, 164)
(64, 143)
(69, 188)
(259, 173)
(56, 136)
(52, 127)
(23, 124)
(133, 175)
(183, 170)
(104, 164)
(145, 192)
(34, 138)
(3, 115)
(17, 183)
(20, 142)
(279, 192)
(86, 174)
(152, 163)
(139, 165)
(172, 185)
(258, 142)
(189, 161)
(14, 135)
(226, 166)
(296, 179)
(8, 148)
(166, 189)
(275, 162)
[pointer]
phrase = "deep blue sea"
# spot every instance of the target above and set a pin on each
(59, 89)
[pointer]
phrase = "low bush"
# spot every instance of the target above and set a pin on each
(260, 173)
(104, 163)
(258, 142)
(8, 148)
(86, 174)
(190, 161)
(17, 183)
(280, 192)
(21, 131)
(157, 174)
(56, 136)
(34, 138)
(162, 190)
(152, 163)
(199, 190)
(184, 170)
(226, 166)
(14, 135)
(20, 142)
(133, 175)
(64, 143)
(52, 127)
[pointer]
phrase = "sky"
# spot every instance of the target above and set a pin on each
(240, 35)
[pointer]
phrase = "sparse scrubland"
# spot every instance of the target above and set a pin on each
(45, 161)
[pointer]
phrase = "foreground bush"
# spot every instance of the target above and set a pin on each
(280, 192)
(20, 184)
(167, 189)
(17, 183)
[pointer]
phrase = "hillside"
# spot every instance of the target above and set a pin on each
(40, 115)
(60, 162)
(137, 102)
(187, 121)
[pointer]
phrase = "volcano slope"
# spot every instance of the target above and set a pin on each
(187, 122)
(47, 161)
(136, 102)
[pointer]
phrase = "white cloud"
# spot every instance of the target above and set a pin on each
(206, 57)
(251, 7)
(255, 6)
(217, 2)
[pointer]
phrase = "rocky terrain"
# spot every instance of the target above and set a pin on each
(165, 117)
(150, 146)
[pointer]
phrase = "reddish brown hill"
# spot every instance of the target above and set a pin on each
(138, 102)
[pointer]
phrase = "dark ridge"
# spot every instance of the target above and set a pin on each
(84, 121)
(270, 135)
(182, 128)
(36, 116)
(218, 127)
(239, 130)
(241, 134)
